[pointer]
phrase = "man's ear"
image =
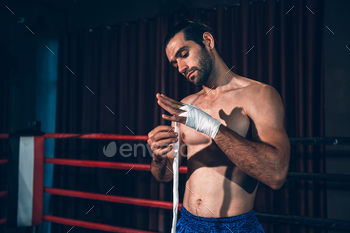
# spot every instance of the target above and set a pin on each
(208, 40)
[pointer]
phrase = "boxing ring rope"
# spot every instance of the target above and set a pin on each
(311, 221)
(4, 161)
(3, 193)
(100, 164)
(321, 222)
(319, 177)
(95, 226)
(293, 140)
(3, 221)
(309, 141)
(97, 136)
(111, 198)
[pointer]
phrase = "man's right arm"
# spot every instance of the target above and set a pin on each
(160, 171)
(161, 166)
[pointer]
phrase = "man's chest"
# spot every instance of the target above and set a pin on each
(229, 112)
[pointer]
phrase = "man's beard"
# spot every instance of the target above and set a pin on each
(204, 70)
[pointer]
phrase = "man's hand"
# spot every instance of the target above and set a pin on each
(160, 140)
(173, 107)
(189, 115)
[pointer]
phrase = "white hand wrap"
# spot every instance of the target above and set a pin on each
(176, 179)
(200, 120)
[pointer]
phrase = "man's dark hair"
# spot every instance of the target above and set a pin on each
(193, 30)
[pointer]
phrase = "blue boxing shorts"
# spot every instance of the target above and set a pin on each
(245, 223)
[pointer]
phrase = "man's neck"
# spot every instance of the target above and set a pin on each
(220, 78)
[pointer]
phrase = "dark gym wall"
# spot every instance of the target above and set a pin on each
(49, 18)
(337, 102)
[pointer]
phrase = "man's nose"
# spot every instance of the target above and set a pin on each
(182, 67)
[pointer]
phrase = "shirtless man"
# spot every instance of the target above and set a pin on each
(224, 163)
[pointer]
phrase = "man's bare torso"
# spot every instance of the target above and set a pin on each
(215, 187)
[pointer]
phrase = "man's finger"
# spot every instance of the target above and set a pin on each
(174, 118)
(174, 110)
(164, 135)
(170, 99)
(167, 108)
(169, 103)
(160, 128)
(163, 152)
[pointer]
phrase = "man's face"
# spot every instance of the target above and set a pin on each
(192, 60)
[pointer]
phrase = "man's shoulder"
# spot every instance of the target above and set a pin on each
(255, 90)
(258, 89)
(260, 95)
(191, 98)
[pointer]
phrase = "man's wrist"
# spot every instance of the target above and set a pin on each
(199, 120)
(215, 128)
(219, 131)
(159, 159)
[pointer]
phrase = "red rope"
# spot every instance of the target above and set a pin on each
(90, 225)
(3, 221)
(4, 161)
(111, 198)
(101, 164)
(97, 136)
(3, 193)
(90, 136)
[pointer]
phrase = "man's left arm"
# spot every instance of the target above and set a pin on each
(267, 157)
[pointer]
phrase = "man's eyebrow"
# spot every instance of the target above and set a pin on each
(178, 52)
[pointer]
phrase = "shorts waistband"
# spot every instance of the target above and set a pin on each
(234, 219)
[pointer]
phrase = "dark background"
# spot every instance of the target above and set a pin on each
(33, 73)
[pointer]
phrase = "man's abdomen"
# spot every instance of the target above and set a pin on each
(218, 191)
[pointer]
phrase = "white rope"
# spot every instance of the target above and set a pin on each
(175, 179)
